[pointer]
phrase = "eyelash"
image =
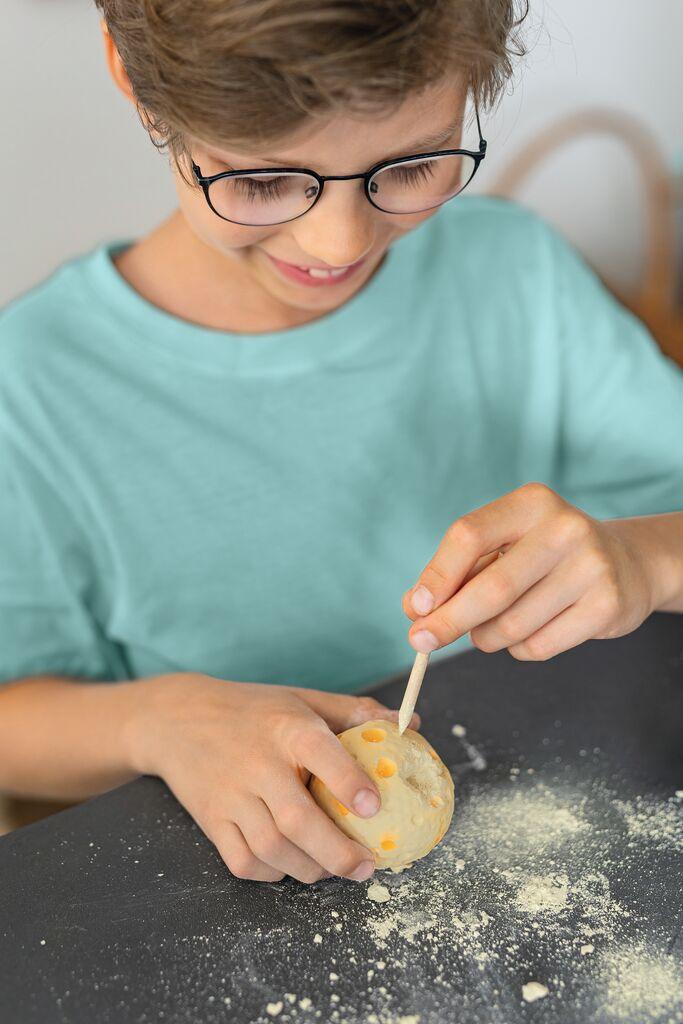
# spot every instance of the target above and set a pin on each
(411, 174)
(261, 188)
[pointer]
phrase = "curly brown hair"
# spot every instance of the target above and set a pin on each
(245, 72)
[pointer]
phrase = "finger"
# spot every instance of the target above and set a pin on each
(484, 562)
(560, 589)
(321, 753)
(243, 863)
(568, 629)
(479, 533)
(343, 711)
(480, 564)
(299, 818)
(491, 592)
(272, 848)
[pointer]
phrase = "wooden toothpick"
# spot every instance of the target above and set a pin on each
(412, 691)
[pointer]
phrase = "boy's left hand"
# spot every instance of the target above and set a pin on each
(563, 578)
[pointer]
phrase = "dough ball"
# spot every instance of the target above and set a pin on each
(416, 790)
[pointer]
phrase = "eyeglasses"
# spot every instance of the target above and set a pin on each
(276, 195)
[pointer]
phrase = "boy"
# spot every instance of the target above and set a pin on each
(228, 447)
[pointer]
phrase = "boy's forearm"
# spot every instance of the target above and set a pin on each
(64, 739)
(660, 541)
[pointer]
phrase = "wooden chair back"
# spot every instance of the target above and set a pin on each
(654, 300)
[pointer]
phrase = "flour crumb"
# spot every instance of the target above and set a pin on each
(587, 948)
(290, 997)
(659, 823)
(543, 895)
(378, 893)
(638, 984)
(274, 1009)
(533, 990)
(305, 1003)
(459, 731)
(317, 938)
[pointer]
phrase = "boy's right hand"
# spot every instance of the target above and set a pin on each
(238, 756)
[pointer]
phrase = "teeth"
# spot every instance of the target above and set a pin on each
(316, 272)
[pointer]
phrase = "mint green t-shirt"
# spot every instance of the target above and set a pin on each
(175, 498)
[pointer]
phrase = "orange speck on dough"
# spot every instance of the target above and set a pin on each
(433, 753)
(341, 809)
(388, 843)
(385, 768)
(374, 735)
(436, 801)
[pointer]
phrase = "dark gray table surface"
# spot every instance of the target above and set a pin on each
(563, 866)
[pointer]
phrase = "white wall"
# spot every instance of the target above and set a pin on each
(58, 111)
(620, 54)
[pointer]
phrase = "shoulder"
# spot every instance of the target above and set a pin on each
(45, 333)
(481, 220)
(47, 338)
(491, 240)
(37, 320)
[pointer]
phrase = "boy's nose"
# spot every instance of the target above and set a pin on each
(340, 228)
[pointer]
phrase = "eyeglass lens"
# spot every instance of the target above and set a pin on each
(409, 187)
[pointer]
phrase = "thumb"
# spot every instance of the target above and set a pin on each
(342, 711)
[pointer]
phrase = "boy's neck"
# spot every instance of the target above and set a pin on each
(176, 271)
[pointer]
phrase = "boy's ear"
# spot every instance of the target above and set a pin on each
(115, 65)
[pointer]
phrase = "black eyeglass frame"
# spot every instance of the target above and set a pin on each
(367, 176)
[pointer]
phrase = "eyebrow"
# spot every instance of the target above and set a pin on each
(424, 145)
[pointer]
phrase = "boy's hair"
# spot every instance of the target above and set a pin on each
(249, 72)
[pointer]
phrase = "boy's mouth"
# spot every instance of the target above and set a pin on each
(314, 276)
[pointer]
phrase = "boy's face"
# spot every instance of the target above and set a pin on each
(343, 229)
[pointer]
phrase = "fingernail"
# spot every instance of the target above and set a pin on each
(363, 871)
(366, 803)
(422, 600)
(424, 641)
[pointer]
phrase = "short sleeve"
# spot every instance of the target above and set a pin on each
(621, 435)
(45, 625)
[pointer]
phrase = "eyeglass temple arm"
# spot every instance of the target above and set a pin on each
(482, 140)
